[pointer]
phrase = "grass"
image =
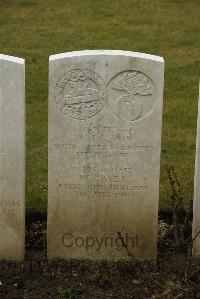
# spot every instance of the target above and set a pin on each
(67, 293)
(35, 29)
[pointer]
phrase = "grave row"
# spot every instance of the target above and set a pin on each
(104, 143)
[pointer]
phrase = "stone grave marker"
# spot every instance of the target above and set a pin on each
(12, 158)
(196, 206)
(105, 117)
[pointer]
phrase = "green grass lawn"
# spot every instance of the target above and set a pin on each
(35, 29)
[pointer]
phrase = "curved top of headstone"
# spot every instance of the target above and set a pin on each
(106, 52)
(12, 59)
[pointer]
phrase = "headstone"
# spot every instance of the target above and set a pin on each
(196, 206)
(105, 116)
(12, 158)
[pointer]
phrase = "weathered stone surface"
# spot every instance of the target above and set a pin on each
(105, 116)
(196, 206)
(12, 158)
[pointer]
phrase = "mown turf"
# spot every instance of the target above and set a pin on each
(35, 29)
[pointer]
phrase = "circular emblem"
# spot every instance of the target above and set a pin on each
(131, 94)
(80, 94)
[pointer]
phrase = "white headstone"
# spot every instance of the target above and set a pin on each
(105, 116)
(196, 206)
(12, 158)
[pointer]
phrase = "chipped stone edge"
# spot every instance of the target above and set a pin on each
(106, 52)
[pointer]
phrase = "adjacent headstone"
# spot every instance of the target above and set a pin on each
(12, 158)
(105, 116)
(196, 206)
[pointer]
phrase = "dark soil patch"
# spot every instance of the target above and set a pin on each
(38, 278)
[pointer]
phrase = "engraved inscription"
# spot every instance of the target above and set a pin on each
(131, 94)
(10, 203)
(80, 94)
(102, 147)
(104, 150)
(111, 191)
(106, 132)
(7, 211)
(6, 215)
(7, 150)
